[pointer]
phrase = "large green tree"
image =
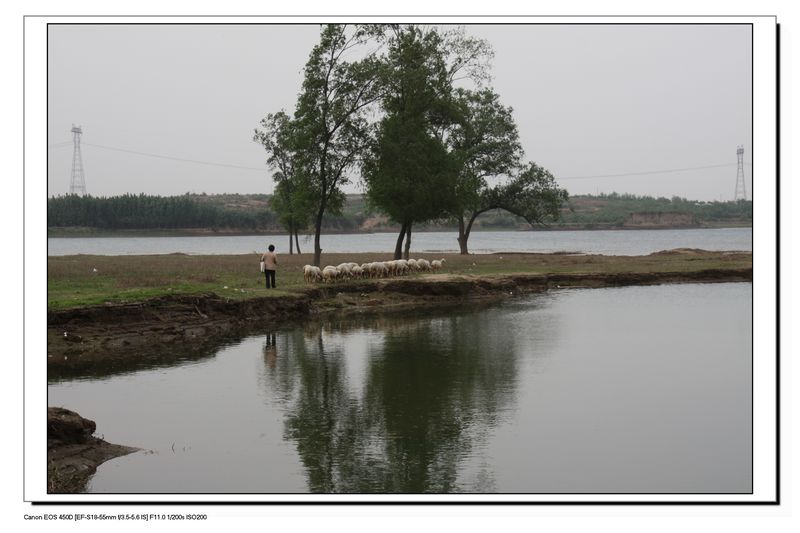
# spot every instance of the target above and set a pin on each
(341, 81)
(410, 176)
(408, 171)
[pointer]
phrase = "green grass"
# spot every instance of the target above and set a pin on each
(72, 280)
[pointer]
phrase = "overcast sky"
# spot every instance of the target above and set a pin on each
(590, 101)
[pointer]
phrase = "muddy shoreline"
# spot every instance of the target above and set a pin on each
(95, 332)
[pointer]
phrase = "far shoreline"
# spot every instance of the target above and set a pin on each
(70, 233)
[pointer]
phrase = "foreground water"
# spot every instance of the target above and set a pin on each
(629, 242)
(638, 389)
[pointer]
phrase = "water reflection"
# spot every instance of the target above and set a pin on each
(125, 360)
(640, 389)
(270, 350)
(431, 389)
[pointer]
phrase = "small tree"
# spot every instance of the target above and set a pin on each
(294, 207)
(293, 200)
(485, 141)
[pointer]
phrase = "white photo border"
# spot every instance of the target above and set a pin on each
(765, 270)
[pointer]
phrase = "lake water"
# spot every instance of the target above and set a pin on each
(622, 242)
(617, 390)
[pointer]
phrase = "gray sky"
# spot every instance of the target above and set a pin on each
(590, 100)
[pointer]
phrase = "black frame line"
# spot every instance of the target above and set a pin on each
(777, 500)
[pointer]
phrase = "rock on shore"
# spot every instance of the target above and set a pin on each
(73, 454)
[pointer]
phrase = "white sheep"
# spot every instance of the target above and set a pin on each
(424, 265)
(357, 271)
(393, 267)
(379, 269)
(402, 266)
(412, 265)
(311, 274)
(437, 264)
(344, 270)
(329, 274)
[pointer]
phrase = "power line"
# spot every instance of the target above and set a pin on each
(646, 172)
(174, 158)
(185, 160)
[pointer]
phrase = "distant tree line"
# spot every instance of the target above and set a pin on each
(143, 211)
(257, 212)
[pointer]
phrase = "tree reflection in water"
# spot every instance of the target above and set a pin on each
(433, 388)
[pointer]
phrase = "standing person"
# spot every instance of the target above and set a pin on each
(270, 259)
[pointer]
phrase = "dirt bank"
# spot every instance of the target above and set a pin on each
(73, 454)
(181, 325)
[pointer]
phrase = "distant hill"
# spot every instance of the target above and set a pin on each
(248, 213)
(630, 211)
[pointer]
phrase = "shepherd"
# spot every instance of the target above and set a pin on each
(270, 259)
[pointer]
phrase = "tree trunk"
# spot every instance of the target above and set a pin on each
(317, 231)
(462, 236)
(463, 233)
(297, 240)
(398, 248)
(291, 250)
(408, 240)
(469, 228)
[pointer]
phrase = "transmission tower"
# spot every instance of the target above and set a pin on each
(741, 193)
(77, 184)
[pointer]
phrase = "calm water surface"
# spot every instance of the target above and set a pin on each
(638, 389)
(628, 242)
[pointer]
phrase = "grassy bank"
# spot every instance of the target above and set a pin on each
(81, 280)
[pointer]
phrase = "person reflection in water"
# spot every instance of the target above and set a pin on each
(271, 350)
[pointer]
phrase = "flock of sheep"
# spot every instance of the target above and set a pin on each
(378, 269)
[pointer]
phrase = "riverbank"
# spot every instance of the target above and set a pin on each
(84, 280)
(126, 322)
